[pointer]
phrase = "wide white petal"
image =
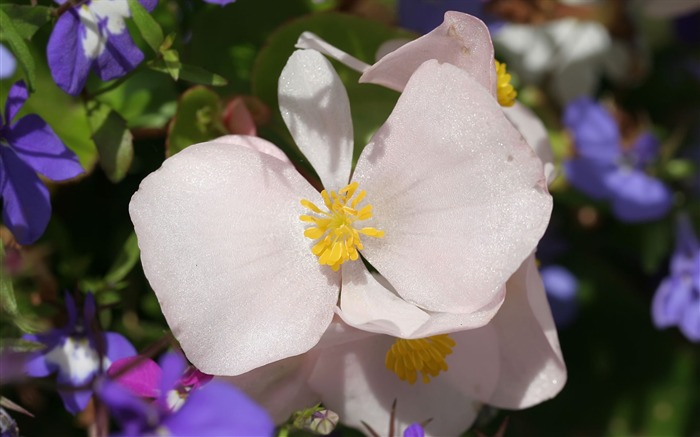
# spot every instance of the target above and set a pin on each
(461, 40)
(223, 248)
(460, 196)
(532, 368)
(354, 382)
(316, 109)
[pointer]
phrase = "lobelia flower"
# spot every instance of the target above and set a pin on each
(604, 169)
(77, 353)
(677, 300)
(512, 362)
(458, 201)
(27, 147)
(8, 63)
(184, 402)
(562, 289)
(92, 36)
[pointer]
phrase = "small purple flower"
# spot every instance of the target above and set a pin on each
(604, 170)
(561, 287)
(677, 300)
(27, 147)
(423, 16)
(220, 2)
(77, 353)
(93, 35)
(415, 430)
(204, 408)
(8, 63)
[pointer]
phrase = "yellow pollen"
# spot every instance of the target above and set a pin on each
(339, 240)
(425, 355)
(506, 92)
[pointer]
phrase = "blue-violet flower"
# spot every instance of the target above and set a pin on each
(27, 147)
(92, 35)
(77, 353)
(604, 169)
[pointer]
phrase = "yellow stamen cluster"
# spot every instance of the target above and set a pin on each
(339, 240)
(425, 355)
(506, 92)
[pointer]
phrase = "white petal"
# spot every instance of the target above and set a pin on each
(532, 366)
(223, 248)
(354, 382)
(461, 40)
(459, 194)
(534, 132)
(309, 40)
(255, 143)
(370, 303)
(281, 387)
(316, 109)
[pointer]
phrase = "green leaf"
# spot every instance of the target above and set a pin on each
(20, 49)
(198, 119)
(171, 65)
(113, 139)
(26, 19)
(125, 262)
(149, 28)
(7, 292)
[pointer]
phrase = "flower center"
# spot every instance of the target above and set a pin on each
(338, 238)
(425, 355)
(506, 92)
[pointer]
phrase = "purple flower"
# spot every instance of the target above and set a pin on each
(423, 16)
(604, 170)
(415, 430)
(92, 35)
(8, 64)
(677, 300)
(561, 287)
(77, 353)
(220, 2)
(203, 408)
(27, 147)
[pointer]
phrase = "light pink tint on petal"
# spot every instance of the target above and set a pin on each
(255, 143)
(309, 40)
(535, 134)
(224, 251)
(354, 382)
(460, 196)
(281, 387)
(316, 109)
(368, 305)
(461, 40)
(238, 119)
(532, 367)
(368, 302)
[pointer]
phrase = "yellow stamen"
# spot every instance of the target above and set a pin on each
(339, 240)
(506, 92)
(425, 355)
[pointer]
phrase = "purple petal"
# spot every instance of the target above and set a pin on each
(118, 347)
(637, 197)
(26, 204)
(645, 149)
(36, 365)
(423, 16)
(415, 430)
(131, 412)
(150, 4)
(588, 176)
(220, 2)
(686, 239)
(72, 311)
(594, 130)
(37, 145)
(561, 287)
(173, 366)
(690, 323)
(8, 63)
(670, 301)
(120, 56)
(15, 99)
(142, 380)
(219, 409)
(67, 61)
(75, 401)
